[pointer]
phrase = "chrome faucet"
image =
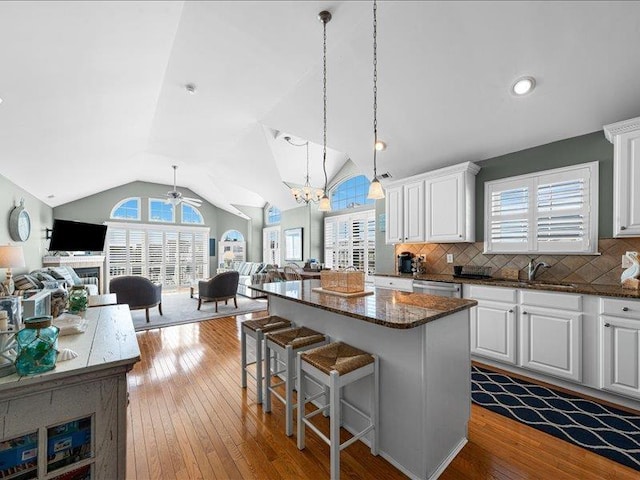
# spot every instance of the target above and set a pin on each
(533, 267)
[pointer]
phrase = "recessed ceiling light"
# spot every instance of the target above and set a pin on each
(51, 196)
(191, 88)
(523, 85)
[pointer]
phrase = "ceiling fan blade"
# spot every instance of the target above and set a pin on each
(192, 199)
(196, 203)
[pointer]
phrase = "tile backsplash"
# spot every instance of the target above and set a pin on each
(603, 269)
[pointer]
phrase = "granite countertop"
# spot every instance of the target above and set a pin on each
(388, 308)
(581, 288)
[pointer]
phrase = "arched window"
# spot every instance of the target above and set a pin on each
(273, 215)
(351, 193)
(191, 215)
(232, 236)
(161, 211)
(127, 209)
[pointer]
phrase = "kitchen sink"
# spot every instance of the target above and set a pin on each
(565, 286)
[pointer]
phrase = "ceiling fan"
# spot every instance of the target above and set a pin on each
(175, 198)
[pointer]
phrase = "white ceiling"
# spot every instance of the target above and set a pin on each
(94, 92)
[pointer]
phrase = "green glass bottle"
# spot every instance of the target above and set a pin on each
(78, 299)
(37, 346)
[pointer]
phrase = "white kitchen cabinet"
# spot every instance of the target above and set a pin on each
(493, 322)
(493, 331)
(450, 200)
(619, 326)
(551, 341)
(405, 213)
(394, 283)
(625, 137)
(394, 207)
(437, 206)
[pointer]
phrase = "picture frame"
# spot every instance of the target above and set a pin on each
(293, 244)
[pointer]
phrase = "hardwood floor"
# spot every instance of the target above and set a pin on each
(188, 418)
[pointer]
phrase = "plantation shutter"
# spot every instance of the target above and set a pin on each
(155, 252)
(359, 232)
(508, 216)
(562, 211)
(137, 247)
(350, 240)
(200, 255)
(554, 211)
(116, 252)
(329, 243)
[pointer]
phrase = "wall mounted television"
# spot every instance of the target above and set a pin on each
(72, 236)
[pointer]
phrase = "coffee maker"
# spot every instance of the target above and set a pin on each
(405, 262)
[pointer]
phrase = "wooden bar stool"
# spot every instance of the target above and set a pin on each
(256, 330)
(336, 365)
(286, 343)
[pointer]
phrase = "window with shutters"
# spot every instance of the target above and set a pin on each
(172, 256)
(350, 241)
(554, 211)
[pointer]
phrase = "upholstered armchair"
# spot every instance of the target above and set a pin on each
(223, 286)
(137, 292)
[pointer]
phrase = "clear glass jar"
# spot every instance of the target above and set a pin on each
(78, 299)
(37, 346)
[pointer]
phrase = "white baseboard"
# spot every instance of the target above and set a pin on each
(443, 466)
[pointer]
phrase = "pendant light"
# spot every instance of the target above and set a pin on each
(375, 188)
(324, 17)
(307, 193)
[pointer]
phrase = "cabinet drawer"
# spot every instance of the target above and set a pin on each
(620, 307)
(496, 294)
(563, 301)
(394, 283)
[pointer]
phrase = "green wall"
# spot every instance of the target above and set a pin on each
(41, 218)
(97, 209)
(571, 151)
(312, 222)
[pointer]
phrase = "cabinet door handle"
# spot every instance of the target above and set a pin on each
(524, 313)
(607, 324)
(625, 309)
(623, 228)
(511, 311)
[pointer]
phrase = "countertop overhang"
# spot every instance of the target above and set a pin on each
(388, 308)
(580, 288)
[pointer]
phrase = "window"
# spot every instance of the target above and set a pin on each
(350, 240)
(171, 255)
(161, 211)
(555, 211)
(127, 209)
(232, 236)
(232, 247)
(273, 215)
(191, 214)
(351, 193)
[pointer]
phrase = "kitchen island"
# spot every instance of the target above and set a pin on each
(73, 418)
(423, 345)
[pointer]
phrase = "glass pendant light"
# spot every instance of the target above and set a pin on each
(375, 188)
(324, 17)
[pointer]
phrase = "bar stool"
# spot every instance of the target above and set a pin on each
(336, 365)
(256, 330)
(286, 343)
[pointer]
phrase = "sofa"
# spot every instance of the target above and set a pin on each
(250, 273)
(34, 280)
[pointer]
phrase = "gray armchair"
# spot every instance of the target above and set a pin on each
(137, 292)
(223, 286)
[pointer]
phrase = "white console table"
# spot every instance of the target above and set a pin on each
(79, 261)
(73, 418)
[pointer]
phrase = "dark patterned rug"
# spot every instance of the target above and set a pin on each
(607, 431)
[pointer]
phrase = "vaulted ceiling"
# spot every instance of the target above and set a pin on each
(94, 92)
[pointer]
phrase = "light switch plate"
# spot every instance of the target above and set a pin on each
(449, 257)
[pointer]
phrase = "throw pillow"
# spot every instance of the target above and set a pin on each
(76, 279)
(42, 276)
(61, 273)
(26, 282)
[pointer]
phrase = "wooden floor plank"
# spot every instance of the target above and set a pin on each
(189, 418)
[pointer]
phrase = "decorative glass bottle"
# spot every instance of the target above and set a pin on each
(78, 299)
(37, 346)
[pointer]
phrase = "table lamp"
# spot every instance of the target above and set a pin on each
(11, 256)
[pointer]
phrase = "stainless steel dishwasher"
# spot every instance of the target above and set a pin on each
(442, 289)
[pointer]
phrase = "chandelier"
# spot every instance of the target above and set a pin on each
(307, 193)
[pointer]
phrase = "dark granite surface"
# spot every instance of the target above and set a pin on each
(388, 308)
(582, 288)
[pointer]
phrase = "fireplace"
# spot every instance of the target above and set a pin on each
(84, 265)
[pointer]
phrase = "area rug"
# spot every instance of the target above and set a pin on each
(179, 308)
(607, 431)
